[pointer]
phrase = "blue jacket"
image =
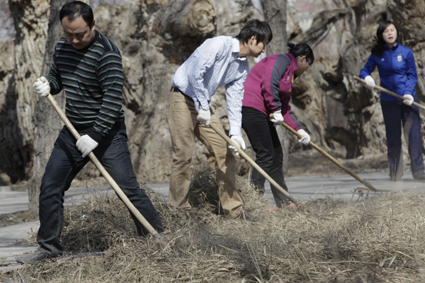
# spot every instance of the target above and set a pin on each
(397, 71)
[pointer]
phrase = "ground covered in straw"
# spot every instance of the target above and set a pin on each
(376, 240)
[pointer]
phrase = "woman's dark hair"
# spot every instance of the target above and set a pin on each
(76, 9)
(301, 49)
(378, 49)
(260, 29)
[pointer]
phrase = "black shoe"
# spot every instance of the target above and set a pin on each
(36, 256)
(420, 177)
(245, 215)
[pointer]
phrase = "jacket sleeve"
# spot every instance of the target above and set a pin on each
(411, 74)
(368, 67)
(287, 115)
(274, 72)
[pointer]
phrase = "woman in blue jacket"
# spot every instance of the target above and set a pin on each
(397, 71)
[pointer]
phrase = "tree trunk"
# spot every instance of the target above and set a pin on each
(275, 15)
(152, 49)
(409, 18)
(156, 36)
(30, 25)
(13, 152)
(46, 122)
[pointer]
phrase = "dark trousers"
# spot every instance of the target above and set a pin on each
(64, 164)
(269, 155)
(395, 113)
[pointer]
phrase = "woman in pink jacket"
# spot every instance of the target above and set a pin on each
(266, 104)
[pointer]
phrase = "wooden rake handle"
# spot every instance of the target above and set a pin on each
(102, 170)
(252, 162)
(390, 92)
(358, 178)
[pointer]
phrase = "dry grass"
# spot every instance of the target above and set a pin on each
(377, 240)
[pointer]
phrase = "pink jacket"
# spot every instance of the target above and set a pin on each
(269, 84)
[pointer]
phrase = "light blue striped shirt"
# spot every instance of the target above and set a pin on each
(214, 64)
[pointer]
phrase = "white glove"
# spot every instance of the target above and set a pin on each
(238, 140)
(370, 82)
(42, 87)
(276, 117)
(86, 144)
(204, 116)
(409, 99)
(305, 139)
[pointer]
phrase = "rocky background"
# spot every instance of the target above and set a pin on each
(156, 36)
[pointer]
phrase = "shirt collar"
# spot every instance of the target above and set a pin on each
(236, 49)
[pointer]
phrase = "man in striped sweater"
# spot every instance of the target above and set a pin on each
(88, 66)
(219, 61)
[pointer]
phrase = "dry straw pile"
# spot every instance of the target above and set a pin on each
(377, 240)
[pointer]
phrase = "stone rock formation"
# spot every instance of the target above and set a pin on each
(156, 36)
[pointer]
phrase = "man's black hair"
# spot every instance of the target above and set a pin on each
(260, 29)
(302, 49)
(76, 9)
(378, 48)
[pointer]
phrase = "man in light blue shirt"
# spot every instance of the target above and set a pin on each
(219, 61)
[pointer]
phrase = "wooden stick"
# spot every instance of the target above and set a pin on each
(252, 162)
(333, 159)
(390, 92)
(102, 170)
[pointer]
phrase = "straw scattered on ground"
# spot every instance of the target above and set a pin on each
(380, 239)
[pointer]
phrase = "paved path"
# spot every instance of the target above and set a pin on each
(12, 238)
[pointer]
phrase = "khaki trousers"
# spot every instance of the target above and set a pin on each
(184, 127)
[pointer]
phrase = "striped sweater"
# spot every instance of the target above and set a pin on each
(93, 80)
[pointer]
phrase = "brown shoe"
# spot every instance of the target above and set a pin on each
(245, 215)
